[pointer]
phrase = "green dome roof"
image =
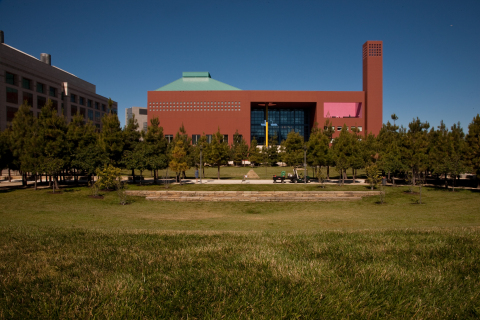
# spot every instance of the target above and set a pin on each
(197, 81)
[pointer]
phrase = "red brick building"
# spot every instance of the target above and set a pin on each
(203, 105)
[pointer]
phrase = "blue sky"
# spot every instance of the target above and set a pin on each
(126, 48)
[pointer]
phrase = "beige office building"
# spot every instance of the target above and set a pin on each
(140, 114)
(24, 77)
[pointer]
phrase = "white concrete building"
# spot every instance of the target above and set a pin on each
(141, 116)
(24, 77)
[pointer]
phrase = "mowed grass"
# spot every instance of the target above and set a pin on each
(71, 256)
(237, 172)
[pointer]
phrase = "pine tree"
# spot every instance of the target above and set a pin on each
(473, 142)
(20, 139)
(415, 146)
(254, 155)
(53, 131)
(156, 155)
(111, 138)
(131, 139)
(79, 136)
(218, 152)
(292, 149)
(317, 149)
(342, 149)
(178, 162)
(457, 154)
(239, 149)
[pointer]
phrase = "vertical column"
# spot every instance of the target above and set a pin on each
(373, 85)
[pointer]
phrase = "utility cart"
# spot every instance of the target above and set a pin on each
(281, 177)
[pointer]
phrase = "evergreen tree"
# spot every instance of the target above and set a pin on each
(53, 131)
(79, 136)
(292, 149)
(218, 152)
(440, 149)
(473, 142)
(6, 154)
(20, 139)
(239, 149)
(415, 146)
(111, 138)
(457, 154)
(254, 155)
(178, 162)
(270, 154)
(187, 145)
(317, 149)
(342, 151)
(328, 131)
(131, 139)
(156, 152)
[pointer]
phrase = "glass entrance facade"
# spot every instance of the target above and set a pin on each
(286, 120)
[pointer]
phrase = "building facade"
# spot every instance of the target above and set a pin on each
(204, 105)
(140, 115)
(24, 77)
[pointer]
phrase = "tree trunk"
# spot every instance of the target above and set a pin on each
(141, 175)
(328, 172)
(133, 175)
(353, 171)
(454, 182)
(154, 176)
(393, 180)
(218, 173)
(446, 181)
(388, 178)
(35, 185)
(9, 176)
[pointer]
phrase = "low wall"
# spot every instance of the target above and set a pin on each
(252, 196)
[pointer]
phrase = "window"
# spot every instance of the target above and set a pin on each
(26, 83)
(73, 98)
(89, 104)
(114, 111)
(359, 129)
(97, 115)
(209, 138)
(195, 138)
(12, 95)
(142, 111)
(40, 87)
(10, 78)
(11, 113)
(225, 138)
(73, 110)
(28, 97)
(55, 105)
(81, 101)
(97, 106)
(104, 108)
(41, 101)
(238, 138)
(339, 128)
(169, 137)
(145, 126)
(82, 112)
(90, 115)
(53, 92)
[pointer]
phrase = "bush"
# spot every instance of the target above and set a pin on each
(107, 178)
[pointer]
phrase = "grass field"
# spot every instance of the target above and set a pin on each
(71, 256)
(238, 172)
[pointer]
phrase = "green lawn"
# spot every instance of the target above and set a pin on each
(238, 172)
(70, 256)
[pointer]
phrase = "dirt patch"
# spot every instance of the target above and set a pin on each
(96, 197)
(410, 192)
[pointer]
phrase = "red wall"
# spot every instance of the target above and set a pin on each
(208, 122)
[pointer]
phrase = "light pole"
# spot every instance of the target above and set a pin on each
(304, 163)
(201, 172)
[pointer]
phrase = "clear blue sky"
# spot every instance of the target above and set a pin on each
(126, 48)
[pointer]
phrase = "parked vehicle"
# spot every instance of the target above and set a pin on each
(281, 177)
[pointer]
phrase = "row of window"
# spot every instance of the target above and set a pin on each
(195, 109)
(352, 128)
(196, 138)
(196, 103)
(26, 83)
(86, 114)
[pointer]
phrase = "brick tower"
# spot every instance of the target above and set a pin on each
(373, 85)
